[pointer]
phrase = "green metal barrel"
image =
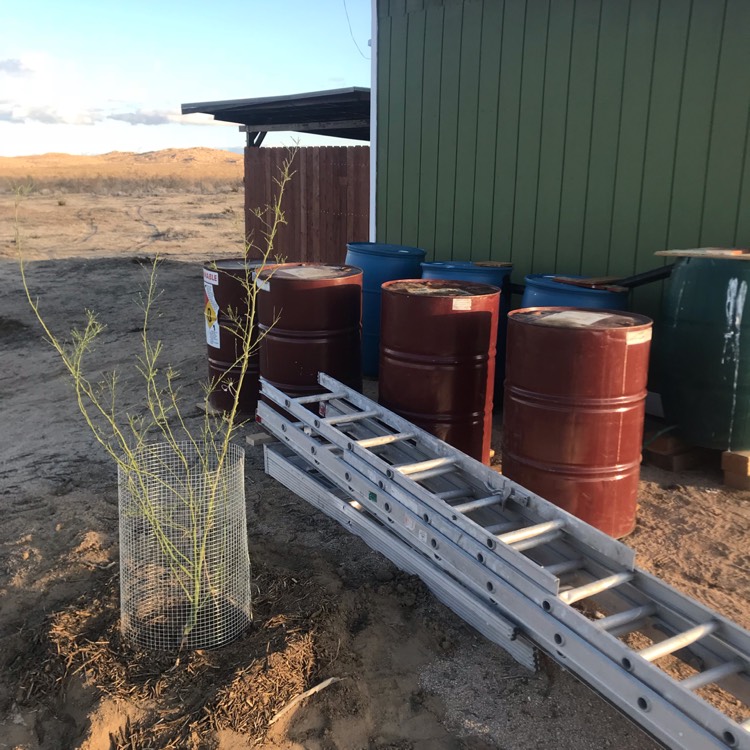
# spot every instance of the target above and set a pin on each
(704, 352)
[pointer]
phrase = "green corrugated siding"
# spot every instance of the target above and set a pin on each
(569, 136)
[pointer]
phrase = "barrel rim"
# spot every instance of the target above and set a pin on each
(546, 281)
(644, 322)
(470, 266)
(389, 286)
(384, 248)
(270, 270)
(220, 264)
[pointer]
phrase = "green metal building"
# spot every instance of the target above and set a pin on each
(567, 136)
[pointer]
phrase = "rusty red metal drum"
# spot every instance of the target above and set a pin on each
(575, 390)
(309, 316)
(437, 358)
(224, 286)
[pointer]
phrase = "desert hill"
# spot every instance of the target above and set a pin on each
(188, 163)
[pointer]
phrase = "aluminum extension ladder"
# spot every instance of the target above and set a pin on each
(522, 563)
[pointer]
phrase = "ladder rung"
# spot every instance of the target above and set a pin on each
(484, 502)
(374, 442)
(681, 640)
(354, 417)
(566, 566)
(319, 398)
(438, 471)
(453, 494)
(595, 587)
(501, 528)
(537, 541)
(628, 617)
(528, 532)
(430, 463)
(711, 675)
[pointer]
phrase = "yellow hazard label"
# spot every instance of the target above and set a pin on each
(210, 314)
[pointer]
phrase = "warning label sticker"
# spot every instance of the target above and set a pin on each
(211, 316)
(210, 277)
(461, 303)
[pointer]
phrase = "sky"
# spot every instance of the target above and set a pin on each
(93, 76)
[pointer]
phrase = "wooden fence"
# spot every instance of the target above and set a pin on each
(326, 204)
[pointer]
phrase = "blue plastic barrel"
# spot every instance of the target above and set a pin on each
(495, 274)
(379, 263)
(543, 291)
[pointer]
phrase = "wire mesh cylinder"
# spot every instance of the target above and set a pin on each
(184, 562)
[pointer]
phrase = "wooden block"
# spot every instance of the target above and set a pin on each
(668, 443)
(737, 481)
(259, 438)
(686, 459)
(736, 462)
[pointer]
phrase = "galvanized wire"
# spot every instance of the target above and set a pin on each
(184, 561)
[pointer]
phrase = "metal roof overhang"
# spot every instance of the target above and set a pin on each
(344, 113)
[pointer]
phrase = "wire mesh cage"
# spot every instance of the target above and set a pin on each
(184, 561)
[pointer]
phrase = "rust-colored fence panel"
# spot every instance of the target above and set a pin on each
(326, 204)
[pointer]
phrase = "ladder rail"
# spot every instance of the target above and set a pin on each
(649, 707)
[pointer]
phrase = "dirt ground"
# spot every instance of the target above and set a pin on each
(413, 676)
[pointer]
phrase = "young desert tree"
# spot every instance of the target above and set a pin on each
(176, 481)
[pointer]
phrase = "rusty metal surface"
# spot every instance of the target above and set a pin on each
(575, 390)
(224, 281)
(437, 358)
(309, 315)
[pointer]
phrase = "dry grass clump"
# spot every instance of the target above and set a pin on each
(188, 695)
(121, 185)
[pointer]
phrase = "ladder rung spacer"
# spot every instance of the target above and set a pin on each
(711, 675)
(628, 617)
(528, 532)
(681, 640)
(484, 502)
(374, 442)
(595, 587)
(318, 398)
(353, 417)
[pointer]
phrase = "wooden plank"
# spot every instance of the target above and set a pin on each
(486, 141)
(694, 127)
(383, 159)
(412, 127)
(448, 130)
(466, 144)
(529, 131)
(395, 125)
(315, 225)
(351, 192)
(578, 136)
(429, 130)
(632, 136)
(664, 107)
(729, 129)
(610, 64)
(552, 139)
(736, 481)
(506, 161)
(303, 215)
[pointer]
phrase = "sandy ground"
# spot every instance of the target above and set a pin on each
(413, 675)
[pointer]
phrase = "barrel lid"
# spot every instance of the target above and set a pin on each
(578, 317)
(379, 248)
(308, 271)
(719, 253)
(439, 288)
(231, 264)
